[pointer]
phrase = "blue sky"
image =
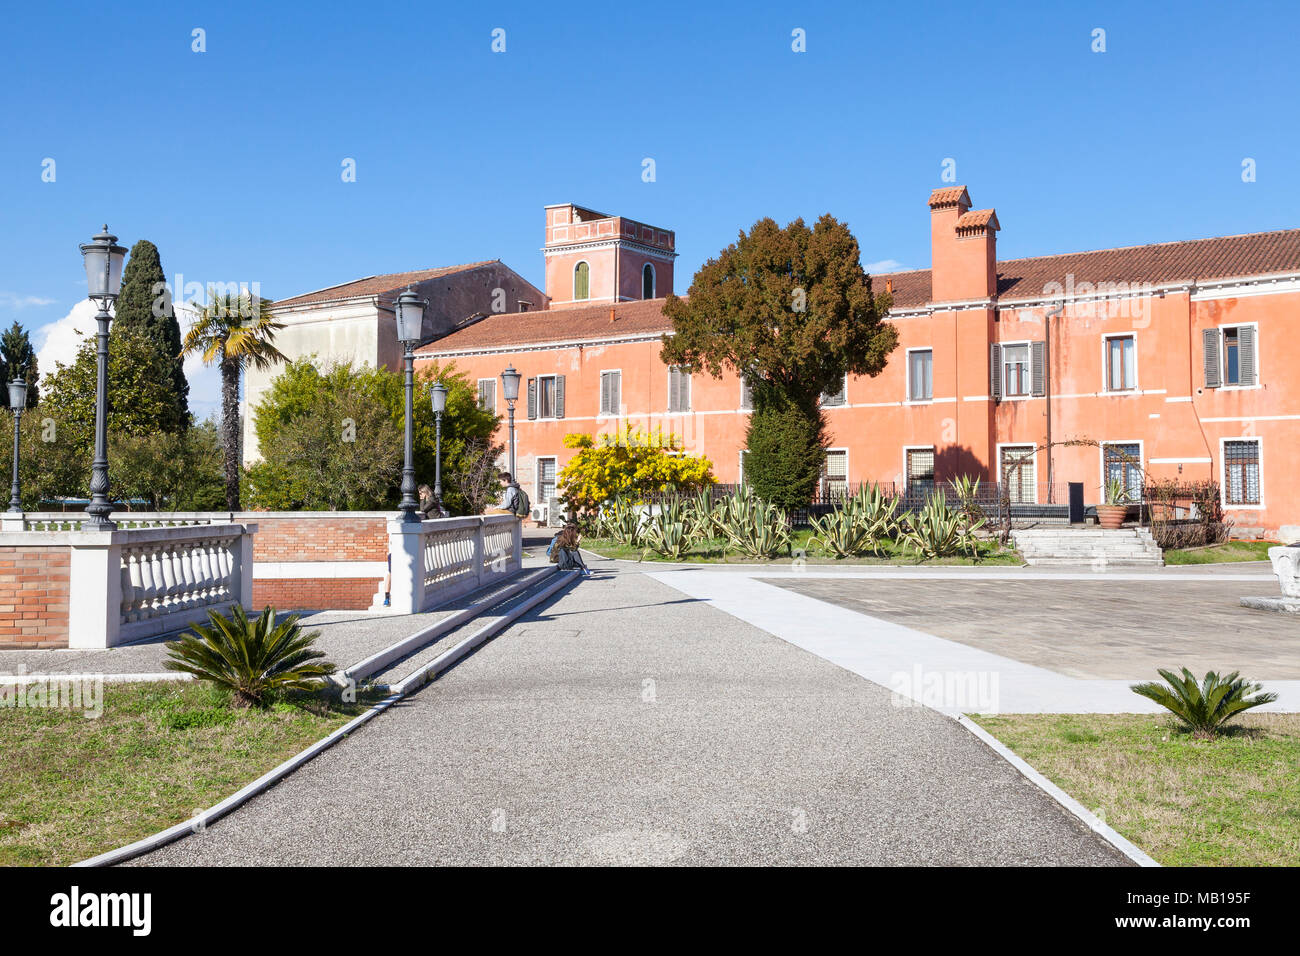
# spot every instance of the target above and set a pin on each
(230, 160)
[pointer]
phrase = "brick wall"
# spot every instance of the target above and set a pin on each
(334, 538)
(318, 594)
(34, 584)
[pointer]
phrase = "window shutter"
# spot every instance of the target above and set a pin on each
(1038, 367)
(532, 398)
(1211, 339)
(995, 372)
(615, 393)
(559, 396)
(604, 392)
(1246, 355)
(686, 392)
(746, 394)
(675, 389)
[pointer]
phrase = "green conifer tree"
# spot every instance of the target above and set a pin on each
(145, 304)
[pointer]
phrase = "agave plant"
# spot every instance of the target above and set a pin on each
(1204, 707)
(252, 657)
(621, 520)
(669, 529)
(841, 533)
(704, 513)
(752, 527)
(937, 531)
(967, 490)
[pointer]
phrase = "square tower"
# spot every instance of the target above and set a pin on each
(592, 257)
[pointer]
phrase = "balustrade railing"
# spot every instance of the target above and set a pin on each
(160, 578)
(434, 561)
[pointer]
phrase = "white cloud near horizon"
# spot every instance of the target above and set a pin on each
(885, 265)
(57, 342)
(11, 300)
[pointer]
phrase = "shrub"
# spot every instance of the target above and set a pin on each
(786, 450)
(253, 658)
(620, 520)
(629, 464)
(1204, 708)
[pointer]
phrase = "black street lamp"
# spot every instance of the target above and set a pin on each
(510, 389)
(17, 404)
(409, 310)
(103, 260)
(438, 394)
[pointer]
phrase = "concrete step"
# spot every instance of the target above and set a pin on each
(1088, 547)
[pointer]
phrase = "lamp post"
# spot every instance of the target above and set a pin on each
(17, 403)
(103, 260)
(510, 389)
(409, 310)
(438, 395)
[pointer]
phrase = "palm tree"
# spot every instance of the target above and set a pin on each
(235, 331)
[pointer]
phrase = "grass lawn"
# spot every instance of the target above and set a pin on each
(1232, 801)
(710, 552)
(160, 752)
(1216, 553)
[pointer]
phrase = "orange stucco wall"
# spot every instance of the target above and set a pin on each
(1178, 422)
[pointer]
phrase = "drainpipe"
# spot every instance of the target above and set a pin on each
(1058, 309)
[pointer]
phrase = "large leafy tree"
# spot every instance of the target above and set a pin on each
(793, 311)
(145, 304)
(234, 331)
(18, 361)
(140, 399)
(331, 437)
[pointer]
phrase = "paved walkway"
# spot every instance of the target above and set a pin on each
(818, 611)
(629, 722)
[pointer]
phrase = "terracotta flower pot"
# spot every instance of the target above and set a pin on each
(1111, 517)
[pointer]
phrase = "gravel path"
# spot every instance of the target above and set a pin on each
(626, 723)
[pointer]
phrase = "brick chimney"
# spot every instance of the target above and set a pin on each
(963, 247)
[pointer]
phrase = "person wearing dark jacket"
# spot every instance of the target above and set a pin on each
(564, 550)
(430, 506)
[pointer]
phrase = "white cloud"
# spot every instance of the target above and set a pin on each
(883, 266)
(10, 300)
(58, 342)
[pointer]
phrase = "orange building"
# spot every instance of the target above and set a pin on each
(1175, 355)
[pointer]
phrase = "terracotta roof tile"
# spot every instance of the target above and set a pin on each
(1227, 257)
(949, 196)
(378, 285)
(977, 219)
(572, 324)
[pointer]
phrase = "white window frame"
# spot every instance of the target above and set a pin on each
(907, 477)
(907, 375)
(821, 399)
(741, 473)
(740, 401)
(824, 479)
(1034, 456)
(601, 413)
(1135, 388)
(554, 377)
(1142, 461)
(479, 387)
(690, 392)
(1002, 369)
(1223, 468)
(1223, 361)
(541, 498)
(573, 279)
(654, 280)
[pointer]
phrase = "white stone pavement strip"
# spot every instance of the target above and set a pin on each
(905, 659)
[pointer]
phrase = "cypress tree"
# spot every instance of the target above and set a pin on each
(19, 361)
(145, 304)
(786, 445)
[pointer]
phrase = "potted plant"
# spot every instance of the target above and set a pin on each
(1111, 514)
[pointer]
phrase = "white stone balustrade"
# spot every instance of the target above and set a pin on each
(438, 560)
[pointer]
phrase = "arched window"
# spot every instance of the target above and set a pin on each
(581, 281)
(648, 282)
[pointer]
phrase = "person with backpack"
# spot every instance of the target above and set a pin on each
(515, 500)
(564, 551)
